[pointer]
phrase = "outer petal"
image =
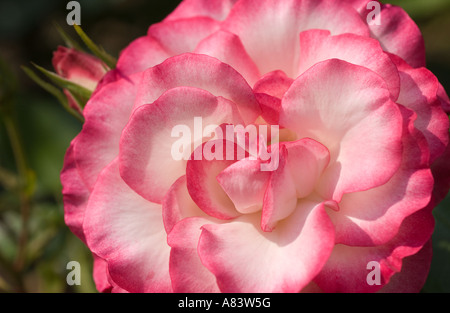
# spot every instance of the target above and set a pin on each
(419, 92)
(347, 109)
(216, 9)
(141, 54)
(205, 73)
(318, 45)
(128, 232)
(346, 269)
(75, 194)
(182, 35)
(101, 275)
(270, 32)
(443, 97)
(106, 114)
(414, 272)
(441, 174)
(373, 217)
(398, 34)
(245, 259)
(147, 162)
(228, 48)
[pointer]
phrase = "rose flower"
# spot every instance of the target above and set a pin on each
(361, 152)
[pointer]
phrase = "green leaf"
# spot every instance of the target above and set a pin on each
(84, 93)
(69, 41)
(58, 94)
(109, 60)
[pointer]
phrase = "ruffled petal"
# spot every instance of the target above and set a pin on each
(204, 72)
(216, 9)
(245, 259)
(349, 267)
(228, 48)
(202, 183)
(398, 34)
(346, 108)
(272, 40)
(374, 217)
(178, 204)
(141, 54)
(187, 272)
(419, 92)
(106, 114)
(128, 232)
(150, 156)
(75, 194)
(318, 45)
(245, 184)
(182, 35)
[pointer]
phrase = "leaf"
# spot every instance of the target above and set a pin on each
(69, 41)
(58, 94)
(80, 91)
(109, 60)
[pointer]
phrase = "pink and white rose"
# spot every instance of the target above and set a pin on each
(363, 153)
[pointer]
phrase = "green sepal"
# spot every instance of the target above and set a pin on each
(98, 51)
(58, 94)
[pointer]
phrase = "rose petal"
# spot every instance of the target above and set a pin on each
(348, 265)
(205, 73)
(147, 161)
(271, 39)
(187, 272)
(78, 67)
(318, 45)
(346, 108)
(101, 275)
(128, 232)
(228, 48)
(398, 34)
(419, 92)
(182, 35)
(178, 204)
(245, 184)
(141, 54)
(202, 180)
(306, 159)
(373, 217)
(280, 197)
(245, 259)
(216, 9)
(413, 274)
(75, 194)
(106, 114)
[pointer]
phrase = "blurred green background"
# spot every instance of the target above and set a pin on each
(35, 244)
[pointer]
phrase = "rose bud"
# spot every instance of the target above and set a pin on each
(80, 68)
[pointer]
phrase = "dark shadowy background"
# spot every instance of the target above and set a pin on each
(35, 244)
